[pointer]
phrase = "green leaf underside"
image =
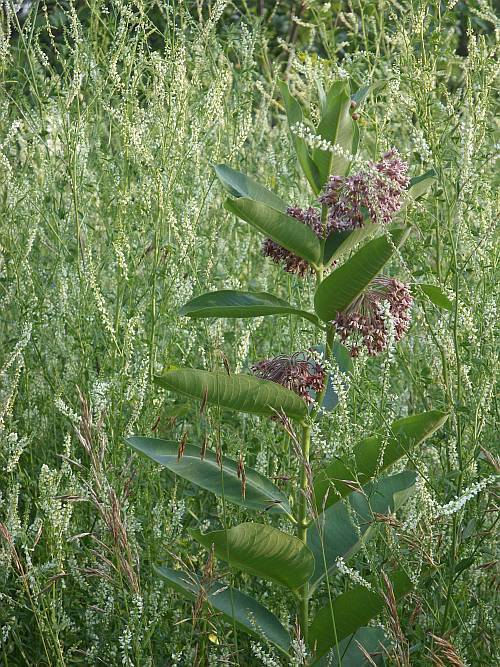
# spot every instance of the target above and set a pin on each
(346, 283)
(361, 94)
(419, 185)
(263, 551)
(222, 480)
(437, 296)
(235, 607)
(335, 534)
(371, 639)
(337, 127)
(233, 304)
(352, 610)
(339, 242)
(243, 393)
(295, 115)
(241, 185)
(373, 455)
(280, 227)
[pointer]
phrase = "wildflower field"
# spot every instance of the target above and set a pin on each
(248, 271)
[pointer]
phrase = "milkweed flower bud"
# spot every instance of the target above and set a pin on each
(377, 192)
(299, 372)
(291, 262)
(363, 322)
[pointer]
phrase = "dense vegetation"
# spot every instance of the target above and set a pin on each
(112, 117)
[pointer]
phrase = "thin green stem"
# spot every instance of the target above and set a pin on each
(302, 523)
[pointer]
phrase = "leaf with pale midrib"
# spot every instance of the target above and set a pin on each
(351, 610)
(236, 607)
(263, 551)
(221, 479)
(419, 185)
(241, 185)
(244, 393)
(340, 531)
(346, 283)
(234, 304)
(280, 227)
(337, 127)
(372, 641)
(295, 115)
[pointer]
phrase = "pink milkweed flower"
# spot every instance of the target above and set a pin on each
(377, 192)
(364, 321)
(299, 372)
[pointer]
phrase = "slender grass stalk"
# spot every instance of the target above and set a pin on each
(302, 523)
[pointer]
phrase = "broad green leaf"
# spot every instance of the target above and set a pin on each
(437, 296)
(285, 230)
(339, 242)
(236, 607)
(321, 95)
(373, 641)
(337, 127)
(352, 610)
(295, 115)
(263, 551)
(240, 185)
(230, 303)
(340, 531)
(244, 393)
(360, 94)
(346, 283)
(419, 185)
(373, 455)
(220, 479)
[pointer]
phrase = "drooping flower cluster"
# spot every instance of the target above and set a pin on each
(299, 372)
(364, 322)
(377, 192)
(291, 262)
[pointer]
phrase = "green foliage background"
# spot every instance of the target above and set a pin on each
(111, 117)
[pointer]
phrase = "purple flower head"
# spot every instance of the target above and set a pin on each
(364, 321)
(377, 191)
(298, 372)
(291, 262)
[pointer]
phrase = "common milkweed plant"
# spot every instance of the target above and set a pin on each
(343, 243)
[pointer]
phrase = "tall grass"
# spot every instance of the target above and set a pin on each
(110, 219)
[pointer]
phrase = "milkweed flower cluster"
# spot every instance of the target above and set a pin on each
(377, 190)
(364, 321)
(299, 372)
(292, 262)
